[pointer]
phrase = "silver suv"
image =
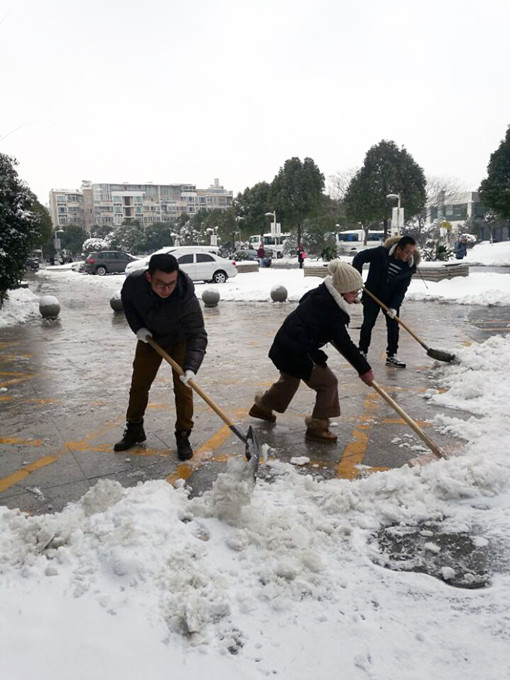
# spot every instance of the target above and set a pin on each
(107, 262)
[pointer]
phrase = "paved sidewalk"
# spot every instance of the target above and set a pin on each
(66, 386)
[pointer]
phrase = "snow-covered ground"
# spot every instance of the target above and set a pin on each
(280, 580)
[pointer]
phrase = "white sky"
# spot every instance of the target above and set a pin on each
(145, 582)
(172, 92)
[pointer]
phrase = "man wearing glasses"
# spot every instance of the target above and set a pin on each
(160, 302)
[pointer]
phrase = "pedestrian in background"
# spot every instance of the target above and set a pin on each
(391, 267)
(322, 316)
(301, 255)
(160, 302)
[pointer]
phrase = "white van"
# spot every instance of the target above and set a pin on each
(275, 243)
(354, 240)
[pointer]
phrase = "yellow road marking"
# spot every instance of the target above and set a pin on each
(14, 381)
(17, 440)
(20, 475)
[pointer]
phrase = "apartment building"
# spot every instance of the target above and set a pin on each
(66, 207)
(113, 204)
(456, 209)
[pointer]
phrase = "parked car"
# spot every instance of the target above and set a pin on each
(107, 262)
(246, 254)
(198, 263)
(32, 264)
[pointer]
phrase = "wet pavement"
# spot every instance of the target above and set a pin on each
(64, 387)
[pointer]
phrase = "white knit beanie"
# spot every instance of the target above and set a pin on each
(345, 278)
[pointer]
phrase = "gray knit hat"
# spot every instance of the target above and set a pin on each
(345, 278)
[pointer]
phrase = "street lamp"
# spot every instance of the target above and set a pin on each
(275, 227)
(397, 216)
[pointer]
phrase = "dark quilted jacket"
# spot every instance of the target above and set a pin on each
(171, 320)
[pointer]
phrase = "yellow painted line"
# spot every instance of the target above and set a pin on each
(352, 455)
(17, 440)
(20, 475)
(14, 381)
(399, 421)
(32, 400)
(184, 470)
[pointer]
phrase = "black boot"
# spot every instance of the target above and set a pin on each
(184, 450)
(133, 434)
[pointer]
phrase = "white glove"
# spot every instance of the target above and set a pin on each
(188, 375)
(142, 334)
(392, 313)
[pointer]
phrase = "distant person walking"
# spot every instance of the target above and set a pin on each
(261, 253)
(461, 248)
(391, 268)
(322, 316)
(301, 255)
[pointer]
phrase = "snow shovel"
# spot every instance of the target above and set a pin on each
(438, 354)
(251, 447)
(435, 449)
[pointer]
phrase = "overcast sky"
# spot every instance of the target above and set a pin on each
(187, 91)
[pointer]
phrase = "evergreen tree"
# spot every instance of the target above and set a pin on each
(130, 237)
(73, 238)
(250, 210)
(20, 225)
(386, 170)
(296, 192)
(495, 189)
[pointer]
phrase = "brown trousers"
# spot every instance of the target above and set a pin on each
(322, 380)
(145, 367)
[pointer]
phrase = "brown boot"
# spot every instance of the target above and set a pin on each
(258, 410)
(318, 430)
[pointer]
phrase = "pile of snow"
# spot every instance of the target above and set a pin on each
(21, 304)
(273, 580)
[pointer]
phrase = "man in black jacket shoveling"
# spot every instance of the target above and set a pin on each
(391, 268)
(160, 302)
(321, 317)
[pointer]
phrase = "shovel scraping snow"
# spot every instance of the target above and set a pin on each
(251, 447)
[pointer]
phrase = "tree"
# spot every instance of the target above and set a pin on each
(73, 238)
(45, 224)
(130, 236)
(250, 209)
(386, 170)
(158, 235)
(296, 192)
(20, 225)
(495, 189)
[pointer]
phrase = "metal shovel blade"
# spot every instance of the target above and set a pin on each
(252, 450)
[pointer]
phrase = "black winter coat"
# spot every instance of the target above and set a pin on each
(317, 320)
(390, 292)
(170, 320)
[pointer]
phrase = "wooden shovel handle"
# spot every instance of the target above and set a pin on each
(435, 449)
(397, 319)
(192, 383)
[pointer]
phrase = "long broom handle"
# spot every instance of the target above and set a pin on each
(197, 388)
(398, 319)
(435, 449)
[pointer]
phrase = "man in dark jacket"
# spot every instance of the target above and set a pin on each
(161, 303)
(321, 317)
(391, 268)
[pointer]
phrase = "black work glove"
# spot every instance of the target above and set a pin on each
(319, 357)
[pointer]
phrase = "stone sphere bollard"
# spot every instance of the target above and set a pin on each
(49, 306)
(278, 293)
(210, 297)
(116, 302)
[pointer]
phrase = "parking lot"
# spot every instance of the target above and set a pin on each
(65, 386)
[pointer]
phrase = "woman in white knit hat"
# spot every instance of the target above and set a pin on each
(322, 316)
